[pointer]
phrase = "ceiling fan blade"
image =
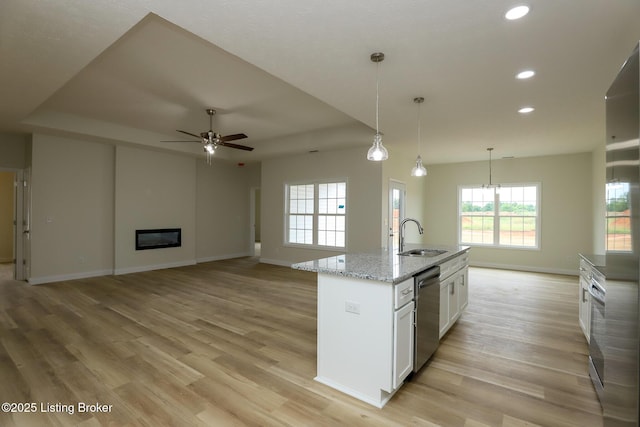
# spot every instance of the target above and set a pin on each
(238, 146)
(233, 137)
(189, 133)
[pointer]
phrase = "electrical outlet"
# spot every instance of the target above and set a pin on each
(352, 307)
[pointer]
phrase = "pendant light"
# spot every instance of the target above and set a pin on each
(491, 185)
(377, 152)
(418, 169)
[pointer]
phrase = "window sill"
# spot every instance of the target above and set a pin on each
(316, 247)
(519, 248)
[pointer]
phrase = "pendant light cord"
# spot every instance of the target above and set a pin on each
(377, 95)
(490, 166)
(419, 138)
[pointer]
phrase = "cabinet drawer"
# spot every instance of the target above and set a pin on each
(451, 266)
(448, 267)
(463, 260)
(403, 293)
(585, 270)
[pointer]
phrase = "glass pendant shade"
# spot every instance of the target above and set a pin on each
(377, 152)
(419, 169)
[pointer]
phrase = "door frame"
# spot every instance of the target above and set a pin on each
(252, 219)
(402, 188)
(21, 218)
(23, 227)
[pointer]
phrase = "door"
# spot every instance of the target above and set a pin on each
(445, 307)
(584, 307)
(23, 224)
(397, 195)
(463, 290)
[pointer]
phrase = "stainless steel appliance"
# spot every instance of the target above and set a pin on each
(427, 320)
(620, 340)
(598, 331)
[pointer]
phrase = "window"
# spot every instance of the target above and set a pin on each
(508, 216)
(618, 218)
(316, 214)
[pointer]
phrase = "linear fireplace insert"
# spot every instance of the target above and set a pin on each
(158, 238)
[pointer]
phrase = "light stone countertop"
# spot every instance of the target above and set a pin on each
(597, 261)
(380, 265)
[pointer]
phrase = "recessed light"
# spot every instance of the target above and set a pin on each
(516, 12)
(527, 74)
(526, 110)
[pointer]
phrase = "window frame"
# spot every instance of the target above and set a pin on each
(496, 217)
(316, 214)
(627, 246)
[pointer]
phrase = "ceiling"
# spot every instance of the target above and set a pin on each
(297, 77)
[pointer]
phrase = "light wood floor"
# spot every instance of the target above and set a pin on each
(234, 343)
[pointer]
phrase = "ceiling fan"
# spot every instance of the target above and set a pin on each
(212, 140)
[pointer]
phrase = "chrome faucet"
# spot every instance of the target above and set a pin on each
(404, 221)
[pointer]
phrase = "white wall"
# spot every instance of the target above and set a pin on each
(153, 190)
(364, 193)
(72, 213)
(13, 151)
(567, 206)
(88, 199)
(222, 209)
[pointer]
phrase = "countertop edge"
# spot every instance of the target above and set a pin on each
(381, 259)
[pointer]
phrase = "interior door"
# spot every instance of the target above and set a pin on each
(397, 193)
(23, 236)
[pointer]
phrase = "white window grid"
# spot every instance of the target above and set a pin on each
(317, 214)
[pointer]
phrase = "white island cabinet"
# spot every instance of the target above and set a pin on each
(454, 291)
(365, 345)
(366, 320)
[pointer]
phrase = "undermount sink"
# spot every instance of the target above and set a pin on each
(423, 252)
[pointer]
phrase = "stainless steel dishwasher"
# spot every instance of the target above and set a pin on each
(427, 320)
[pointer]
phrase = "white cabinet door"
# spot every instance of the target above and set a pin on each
(403, 343)
(584, 307)
(444, 306)
(454, 307)
(454, 298)
(463, 290)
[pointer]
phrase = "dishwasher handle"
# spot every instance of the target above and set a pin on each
(427, 282)
(427, 277)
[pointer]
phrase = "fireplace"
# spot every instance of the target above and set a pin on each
(158, 238)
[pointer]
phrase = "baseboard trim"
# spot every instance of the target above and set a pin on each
(72, 276)
(140, 269)
(223, 257)
(525, 268)
(276, 262)
(129, 270)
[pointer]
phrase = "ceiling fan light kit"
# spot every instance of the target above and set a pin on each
(211, 140)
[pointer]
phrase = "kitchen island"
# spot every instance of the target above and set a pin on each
(366, 316)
